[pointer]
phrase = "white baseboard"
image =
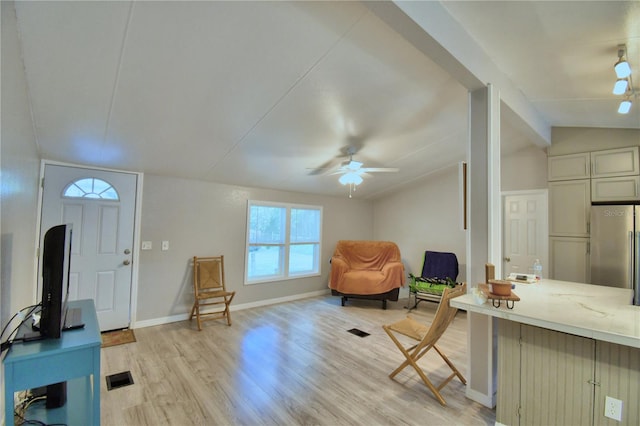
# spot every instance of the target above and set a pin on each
(488, 401)
(250, 305)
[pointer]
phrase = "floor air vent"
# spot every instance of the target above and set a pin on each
(119, 380)
(358, 332)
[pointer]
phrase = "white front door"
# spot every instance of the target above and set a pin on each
(525, 232)
(101, 206)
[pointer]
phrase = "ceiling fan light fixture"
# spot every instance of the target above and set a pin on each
(350, 178)
(625, 106)
(621, 86)
(354, 165)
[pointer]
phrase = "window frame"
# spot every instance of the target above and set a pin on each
(98, 196)
(285, 246)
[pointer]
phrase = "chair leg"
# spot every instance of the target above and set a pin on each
(430, 385)
(402, 349)
(450, 364)
(412, 359)
(227, 313)
(196, 308)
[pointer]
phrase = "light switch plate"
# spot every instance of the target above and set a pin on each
(165, 245)
(147, 245)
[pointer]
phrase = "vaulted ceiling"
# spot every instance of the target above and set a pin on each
(271, 94)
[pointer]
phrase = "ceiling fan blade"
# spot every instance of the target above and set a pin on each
(315, 171)
(338, 172)
(379, 169)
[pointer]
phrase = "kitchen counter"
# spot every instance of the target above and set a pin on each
(592, 311)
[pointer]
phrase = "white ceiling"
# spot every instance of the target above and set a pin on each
(269, 94)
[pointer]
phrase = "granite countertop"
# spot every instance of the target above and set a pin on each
(593, 311)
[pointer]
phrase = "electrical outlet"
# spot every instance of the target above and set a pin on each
(613, 408)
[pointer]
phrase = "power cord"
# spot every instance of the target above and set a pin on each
(22, 407)
(7, 343)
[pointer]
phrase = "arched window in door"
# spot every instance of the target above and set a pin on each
(91, 188)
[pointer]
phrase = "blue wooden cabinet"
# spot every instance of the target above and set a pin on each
(74, 358)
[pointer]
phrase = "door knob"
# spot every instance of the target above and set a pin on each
(127, 251)
(126, 262)
(507, 259)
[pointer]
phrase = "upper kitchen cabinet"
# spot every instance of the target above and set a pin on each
(615, 162)
(623, 188)
(568, 167)
(570, 207)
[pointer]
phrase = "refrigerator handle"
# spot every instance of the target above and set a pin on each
(636, 276)
(632, 256)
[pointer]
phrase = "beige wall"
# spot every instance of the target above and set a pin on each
(18, 181)
(205, 219)
(572, 140)
(426, 214)
(423, 216)
(20, 171)
(524, 169)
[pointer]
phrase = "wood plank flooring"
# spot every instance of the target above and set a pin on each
(287, 364)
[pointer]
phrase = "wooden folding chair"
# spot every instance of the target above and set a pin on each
(209, 290)
(427, 338)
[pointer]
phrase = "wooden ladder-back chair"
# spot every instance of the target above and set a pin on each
(209, 290)
(427, 337)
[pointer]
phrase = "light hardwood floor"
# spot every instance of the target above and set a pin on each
(287, 364)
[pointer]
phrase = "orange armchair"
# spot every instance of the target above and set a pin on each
(366, 270)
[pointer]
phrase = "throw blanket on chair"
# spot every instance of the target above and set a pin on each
(366, 267)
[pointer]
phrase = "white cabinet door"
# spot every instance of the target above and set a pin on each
(615, 162)
(623, 188)
(569, 259)
(566, 167)
(569, 207)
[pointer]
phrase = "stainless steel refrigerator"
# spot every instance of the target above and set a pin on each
(615, 247)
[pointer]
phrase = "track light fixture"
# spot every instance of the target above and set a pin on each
(624, 84)
(620, 88)
(625, 106)
(622, 68)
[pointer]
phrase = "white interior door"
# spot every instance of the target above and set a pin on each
(525, 232)
(101, 206)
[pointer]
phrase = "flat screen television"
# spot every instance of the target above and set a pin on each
(56, 268)
(56, 264)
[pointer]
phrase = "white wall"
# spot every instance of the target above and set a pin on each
(205, 219)
(20, 170)
(18, 181)
(423, 216)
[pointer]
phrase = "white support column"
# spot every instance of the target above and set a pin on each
(484, 236)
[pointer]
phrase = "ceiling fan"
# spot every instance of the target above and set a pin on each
(352, 173)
